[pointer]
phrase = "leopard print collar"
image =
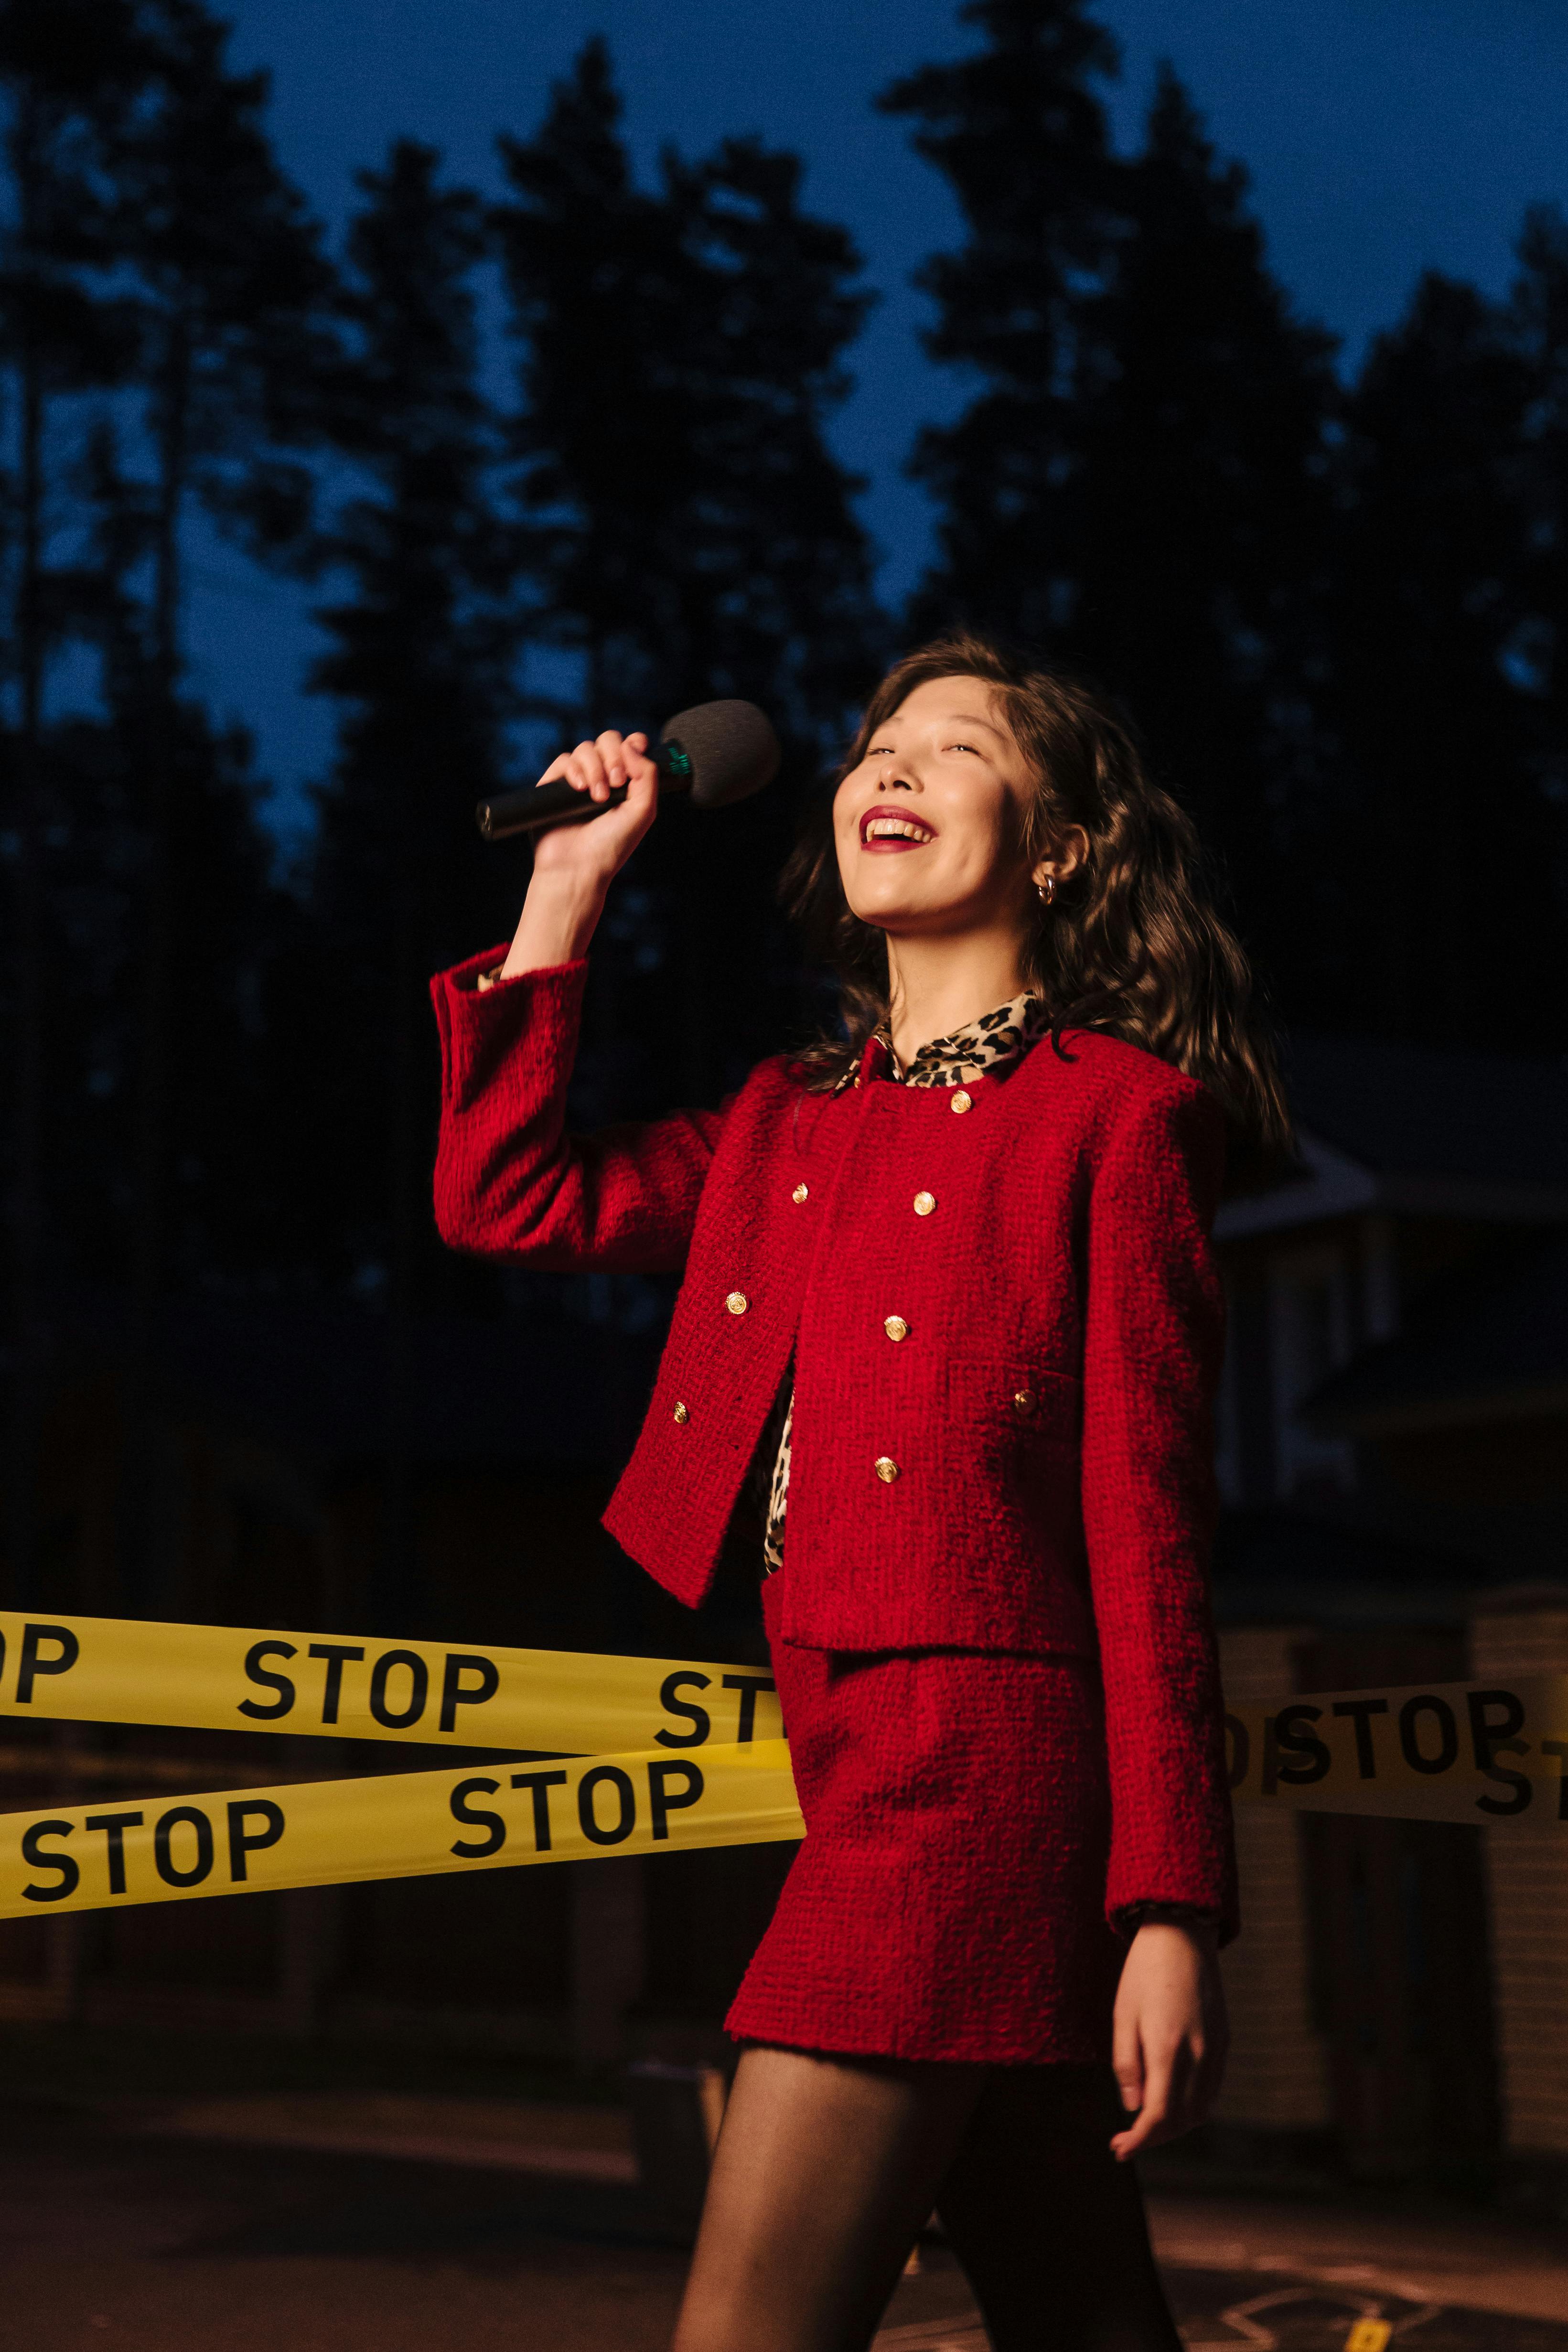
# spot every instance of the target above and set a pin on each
(989, 1044)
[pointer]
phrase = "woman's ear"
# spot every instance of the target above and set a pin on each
(1063, 856)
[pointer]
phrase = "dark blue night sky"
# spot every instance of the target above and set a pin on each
(1383, 136)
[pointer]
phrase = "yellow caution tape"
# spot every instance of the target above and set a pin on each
(393, 1825)
(362, 1686)
(648, 1755)
(1485, 1751)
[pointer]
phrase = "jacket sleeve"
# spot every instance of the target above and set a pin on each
(509, 1181)
(1153, 1337)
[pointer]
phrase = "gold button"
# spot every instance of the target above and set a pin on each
(798, 1195)
(896, 1328)
(924, 1204)
(961, 1101)
(887, 1469)
(1024, 1401)
(682, 1416)
(737, 1302)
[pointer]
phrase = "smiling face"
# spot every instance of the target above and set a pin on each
(929, 826)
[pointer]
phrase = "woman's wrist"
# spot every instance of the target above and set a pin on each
(1189, 1919)
(559, 918)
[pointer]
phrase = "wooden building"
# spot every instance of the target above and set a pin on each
(1394, 1456)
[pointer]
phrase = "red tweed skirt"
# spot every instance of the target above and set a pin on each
(947, 1901)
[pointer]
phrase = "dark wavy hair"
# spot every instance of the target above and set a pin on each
(1133, 943)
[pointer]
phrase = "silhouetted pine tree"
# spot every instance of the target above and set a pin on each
(596, 291)
(420, 660)
(230, 292)
(1537, 659)
(66, 69)
(421, 657)
(1445, 841)
(692, 534)
(1018, 130)
(234, 921)
(1201, 509)
(771, 574)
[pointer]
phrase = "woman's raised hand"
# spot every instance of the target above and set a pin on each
(574, 865)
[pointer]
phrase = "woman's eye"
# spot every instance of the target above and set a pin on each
(962, 746)
(881, 752)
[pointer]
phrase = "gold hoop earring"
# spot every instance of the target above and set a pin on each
(1047, 888)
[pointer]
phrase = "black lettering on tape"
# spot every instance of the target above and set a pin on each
(1292, 1739)
(1268, 1778)
(542, 1784)
(662, 1800)
(243, 1842)
(1360, 1711)
(453, 1695)
(748, 1685)
(1496, 1718)
(418, 1688)
(1519, 1783)
(1559, 1747)
(114, 1826)
(625, 1796)
(337, 1654)
(32, 1664)
(669, 1698)
(1442, 1713)
(162, 1846)
(478, 1817)
(35, 1856)
(254, 1672)
(1239, 1751)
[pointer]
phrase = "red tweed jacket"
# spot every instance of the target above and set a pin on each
(1006, 1325)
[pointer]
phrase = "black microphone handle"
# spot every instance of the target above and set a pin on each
(534, 808)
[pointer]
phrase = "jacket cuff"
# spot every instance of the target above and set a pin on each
(480, 1029)
(464, 978)
(1134, 1916)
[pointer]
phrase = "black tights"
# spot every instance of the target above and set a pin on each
(1048, 2227)
(828, 2166)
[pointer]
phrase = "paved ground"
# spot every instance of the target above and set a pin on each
(381, 2223)
(1406, 2263)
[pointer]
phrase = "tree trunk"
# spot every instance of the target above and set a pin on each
(403, 1128)
(397, 1564)
(150, 1248)
(27, 1236)
(151, 1230)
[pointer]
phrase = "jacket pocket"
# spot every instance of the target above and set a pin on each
(1019, 1425)
(1013, 1408)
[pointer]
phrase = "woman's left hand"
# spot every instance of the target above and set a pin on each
(1170, 2036)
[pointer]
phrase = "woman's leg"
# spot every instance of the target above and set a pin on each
(1049, 2226)
(825, 2171)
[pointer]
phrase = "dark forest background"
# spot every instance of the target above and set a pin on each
(561, 459)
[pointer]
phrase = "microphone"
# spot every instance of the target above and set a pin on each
(717, 751)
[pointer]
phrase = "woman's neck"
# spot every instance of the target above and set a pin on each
(937, 985)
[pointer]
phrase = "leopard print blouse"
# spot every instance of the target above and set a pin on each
(991, 1043)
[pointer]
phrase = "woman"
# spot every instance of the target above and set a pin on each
(948, 1291)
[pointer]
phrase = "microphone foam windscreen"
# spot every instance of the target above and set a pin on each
(733, 748)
